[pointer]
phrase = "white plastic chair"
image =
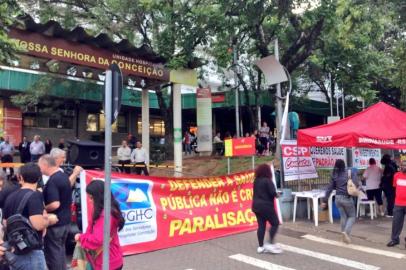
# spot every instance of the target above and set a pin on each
(372, 207)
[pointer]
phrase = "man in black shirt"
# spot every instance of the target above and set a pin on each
(57, 197)
(24, 148)
(33, 211)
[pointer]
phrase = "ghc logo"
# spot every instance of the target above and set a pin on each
(324, 139)
(138, 215)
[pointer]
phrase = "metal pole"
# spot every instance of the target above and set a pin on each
(259, 117)
(107, 168)
(253, 162)
(363, 103)
(237, 105)
(338, 111)
(278, 106)
(278, 116)
(228, 165)
(343, 98)
(331, 98)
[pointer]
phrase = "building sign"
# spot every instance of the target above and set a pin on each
(59, 49)
(204, 120)
(239, 147)
(325, 157)
(297, 161)
(361, 156)
(163, 212)
(218, 98)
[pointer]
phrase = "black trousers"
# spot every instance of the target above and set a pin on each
(54, 247)
(123, 168)
(390, 197)
(139, 170)
(375, 193)
(7, 159)
(262, 217)
(399, 213)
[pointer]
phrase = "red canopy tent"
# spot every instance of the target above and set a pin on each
(379, 126)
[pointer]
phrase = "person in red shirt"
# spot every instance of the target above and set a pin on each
(399, 211)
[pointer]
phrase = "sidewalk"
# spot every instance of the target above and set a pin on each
(375, 231)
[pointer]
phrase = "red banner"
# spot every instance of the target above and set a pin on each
(166, 212)
(240, 147)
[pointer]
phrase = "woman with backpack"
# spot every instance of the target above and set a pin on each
(92, 240)
(343, 200)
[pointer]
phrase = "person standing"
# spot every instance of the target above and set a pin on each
(33, 210)
(132, 141)
(7, 152)
(372, 176)
(263, 207)
(387, 183)
(187, 140)
(218, 144)
(61, 144)
(92, 239)
(344, 201)
(124, 156)
(263, 137)
(139, 157)
(37, 149)
(24, 148)
(59, 156)
(399, 211)
(48, 146)
(58, 198)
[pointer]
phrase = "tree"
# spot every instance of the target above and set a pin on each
(356, 52)
(173, 29)
(251, 28)
(8, 10)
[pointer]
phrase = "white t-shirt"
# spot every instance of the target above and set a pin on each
(373, 176)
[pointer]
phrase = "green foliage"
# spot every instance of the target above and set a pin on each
(36, 93)
(8, 11)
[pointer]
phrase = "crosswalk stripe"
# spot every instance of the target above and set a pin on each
(258, 263)
(355, 247)
(329, 258)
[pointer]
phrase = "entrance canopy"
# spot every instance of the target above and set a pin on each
(379, 126)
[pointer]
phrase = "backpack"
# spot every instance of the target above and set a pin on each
(19, 232)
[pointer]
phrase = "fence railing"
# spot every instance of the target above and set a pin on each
(308, 184)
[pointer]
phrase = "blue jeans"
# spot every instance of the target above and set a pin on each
(346, 207)
(34, 158)
(33, 260)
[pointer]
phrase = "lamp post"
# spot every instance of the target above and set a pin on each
(237, 105)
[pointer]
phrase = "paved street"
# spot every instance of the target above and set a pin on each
(306, 247)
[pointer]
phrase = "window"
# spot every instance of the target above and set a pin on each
(96, 122)
(122, 126)
(48, 122)
(29, 121)
(156, 127)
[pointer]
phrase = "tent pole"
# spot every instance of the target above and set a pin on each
(343, 104)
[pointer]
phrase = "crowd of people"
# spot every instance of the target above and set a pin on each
(265, 142)
(133, 157)
(39, 195)
(388, 181)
